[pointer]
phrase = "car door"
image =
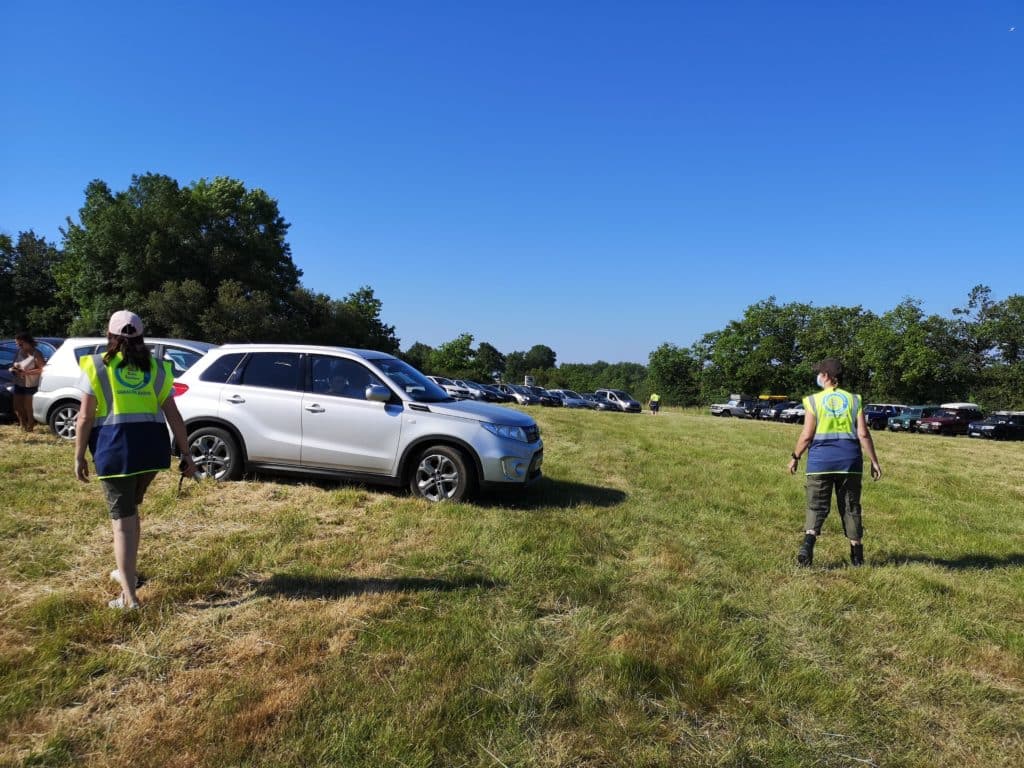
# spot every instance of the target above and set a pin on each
(263, 400)
(341, 429)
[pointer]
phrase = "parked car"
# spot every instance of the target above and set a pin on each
(519, 394)
(908, 418)
(496, 394)
(56, 403)
(950, 419)
(545, 397)
(569, 398)
(622, 399)
(755, 408)
(6, 393)
(737, 406)
(1001, 425)
(476, 391)
(453, 389)
(599, 403)
(877, 415)
(774, 411)
(793, 415)
(272, 406)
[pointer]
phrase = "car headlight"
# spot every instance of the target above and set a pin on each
(506, 431)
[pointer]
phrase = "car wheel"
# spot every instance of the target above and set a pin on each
(216, 453)
(441, 474)
(62, 419)
(725, 413)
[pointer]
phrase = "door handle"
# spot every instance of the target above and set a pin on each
(235, 399)
(315, 408)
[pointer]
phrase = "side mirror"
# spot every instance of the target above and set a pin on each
(378, 394)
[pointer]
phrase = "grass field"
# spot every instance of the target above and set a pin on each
(640, 607)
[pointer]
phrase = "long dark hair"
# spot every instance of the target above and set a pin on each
(133, 351)
(26, 337)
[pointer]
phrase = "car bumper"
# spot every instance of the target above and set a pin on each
(507, 462)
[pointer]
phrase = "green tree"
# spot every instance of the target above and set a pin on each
(515, 367)
(29, 286)
(418, 356)
(129, 247)
(489, 361)
(453, 358)
(539, 357)
(673, 372)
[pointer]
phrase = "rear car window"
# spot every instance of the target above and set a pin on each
(220, 370)
(274, 370)
(181, 359)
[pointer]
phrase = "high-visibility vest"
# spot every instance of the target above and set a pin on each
(835, 448)
(655, 398)
(129, 435)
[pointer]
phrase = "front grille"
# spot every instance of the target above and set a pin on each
(532, 433)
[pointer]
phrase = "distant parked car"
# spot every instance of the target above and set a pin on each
(569, 398)
(877, 415)
(57, 401)
(908, 418)
(774, 411)
(476, 391)
(545, 397)
(453, 389)
(755, 408)
(497, 396)
(793, 415)
(737, 406)
(599, 403)
(1001, 425)
(621, 398)
(520, 394)
(951, 419)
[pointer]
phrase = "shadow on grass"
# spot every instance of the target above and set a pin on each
(304, 587)
(553, 493)
(967, 562)
(544, 494)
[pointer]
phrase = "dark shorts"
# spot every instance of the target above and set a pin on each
(655, 406)
(819, 502)
(124, 494)
(20, 390)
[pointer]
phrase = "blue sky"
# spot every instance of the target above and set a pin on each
(600, 177)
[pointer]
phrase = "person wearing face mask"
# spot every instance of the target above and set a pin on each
(835, 437)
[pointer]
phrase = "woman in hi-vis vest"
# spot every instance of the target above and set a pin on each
(126, 408)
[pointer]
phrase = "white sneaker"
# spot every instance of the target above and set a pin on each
(120, 605)
(115, 575)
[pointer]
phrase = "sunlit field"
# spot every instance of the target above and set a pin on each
(639, 607)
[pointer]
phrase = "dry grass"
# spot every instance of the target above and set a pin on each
(640, 608)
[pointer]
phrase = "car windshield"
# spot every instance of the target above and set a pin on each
(570, 393)
(412, 382)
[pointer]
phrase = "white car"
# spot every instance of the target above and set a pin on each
(793, 415)
(58, 399)
(349, 414)
(453, 389)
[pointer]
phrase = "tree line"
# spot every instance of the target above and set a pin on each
(211, 261)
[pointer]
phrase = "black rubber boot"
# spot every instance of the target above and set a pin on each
(857, 554)
(805, 555)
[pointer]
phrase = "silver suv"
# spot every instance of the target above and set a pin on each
(57, 401)
(350, 414)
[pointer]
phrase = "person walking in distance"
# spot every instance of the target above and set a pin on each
(835, 437)
(126, 408)
(654, 403)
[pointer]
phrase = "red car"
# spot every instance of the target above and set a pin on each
(950, 419)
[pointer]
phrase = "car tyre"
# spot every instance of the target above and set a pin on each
(216, 452)
(63, 419)
(441, 473)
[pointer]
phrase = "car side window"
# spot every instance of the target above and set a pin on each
(274, 370)
(220, 370)
(181, 359)
(342, 377)
(94, 349)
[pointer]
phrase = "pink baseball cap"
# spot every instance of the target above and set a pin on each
(125, 323)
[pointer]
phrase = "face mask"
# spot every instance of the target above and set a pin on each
(820, 382)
